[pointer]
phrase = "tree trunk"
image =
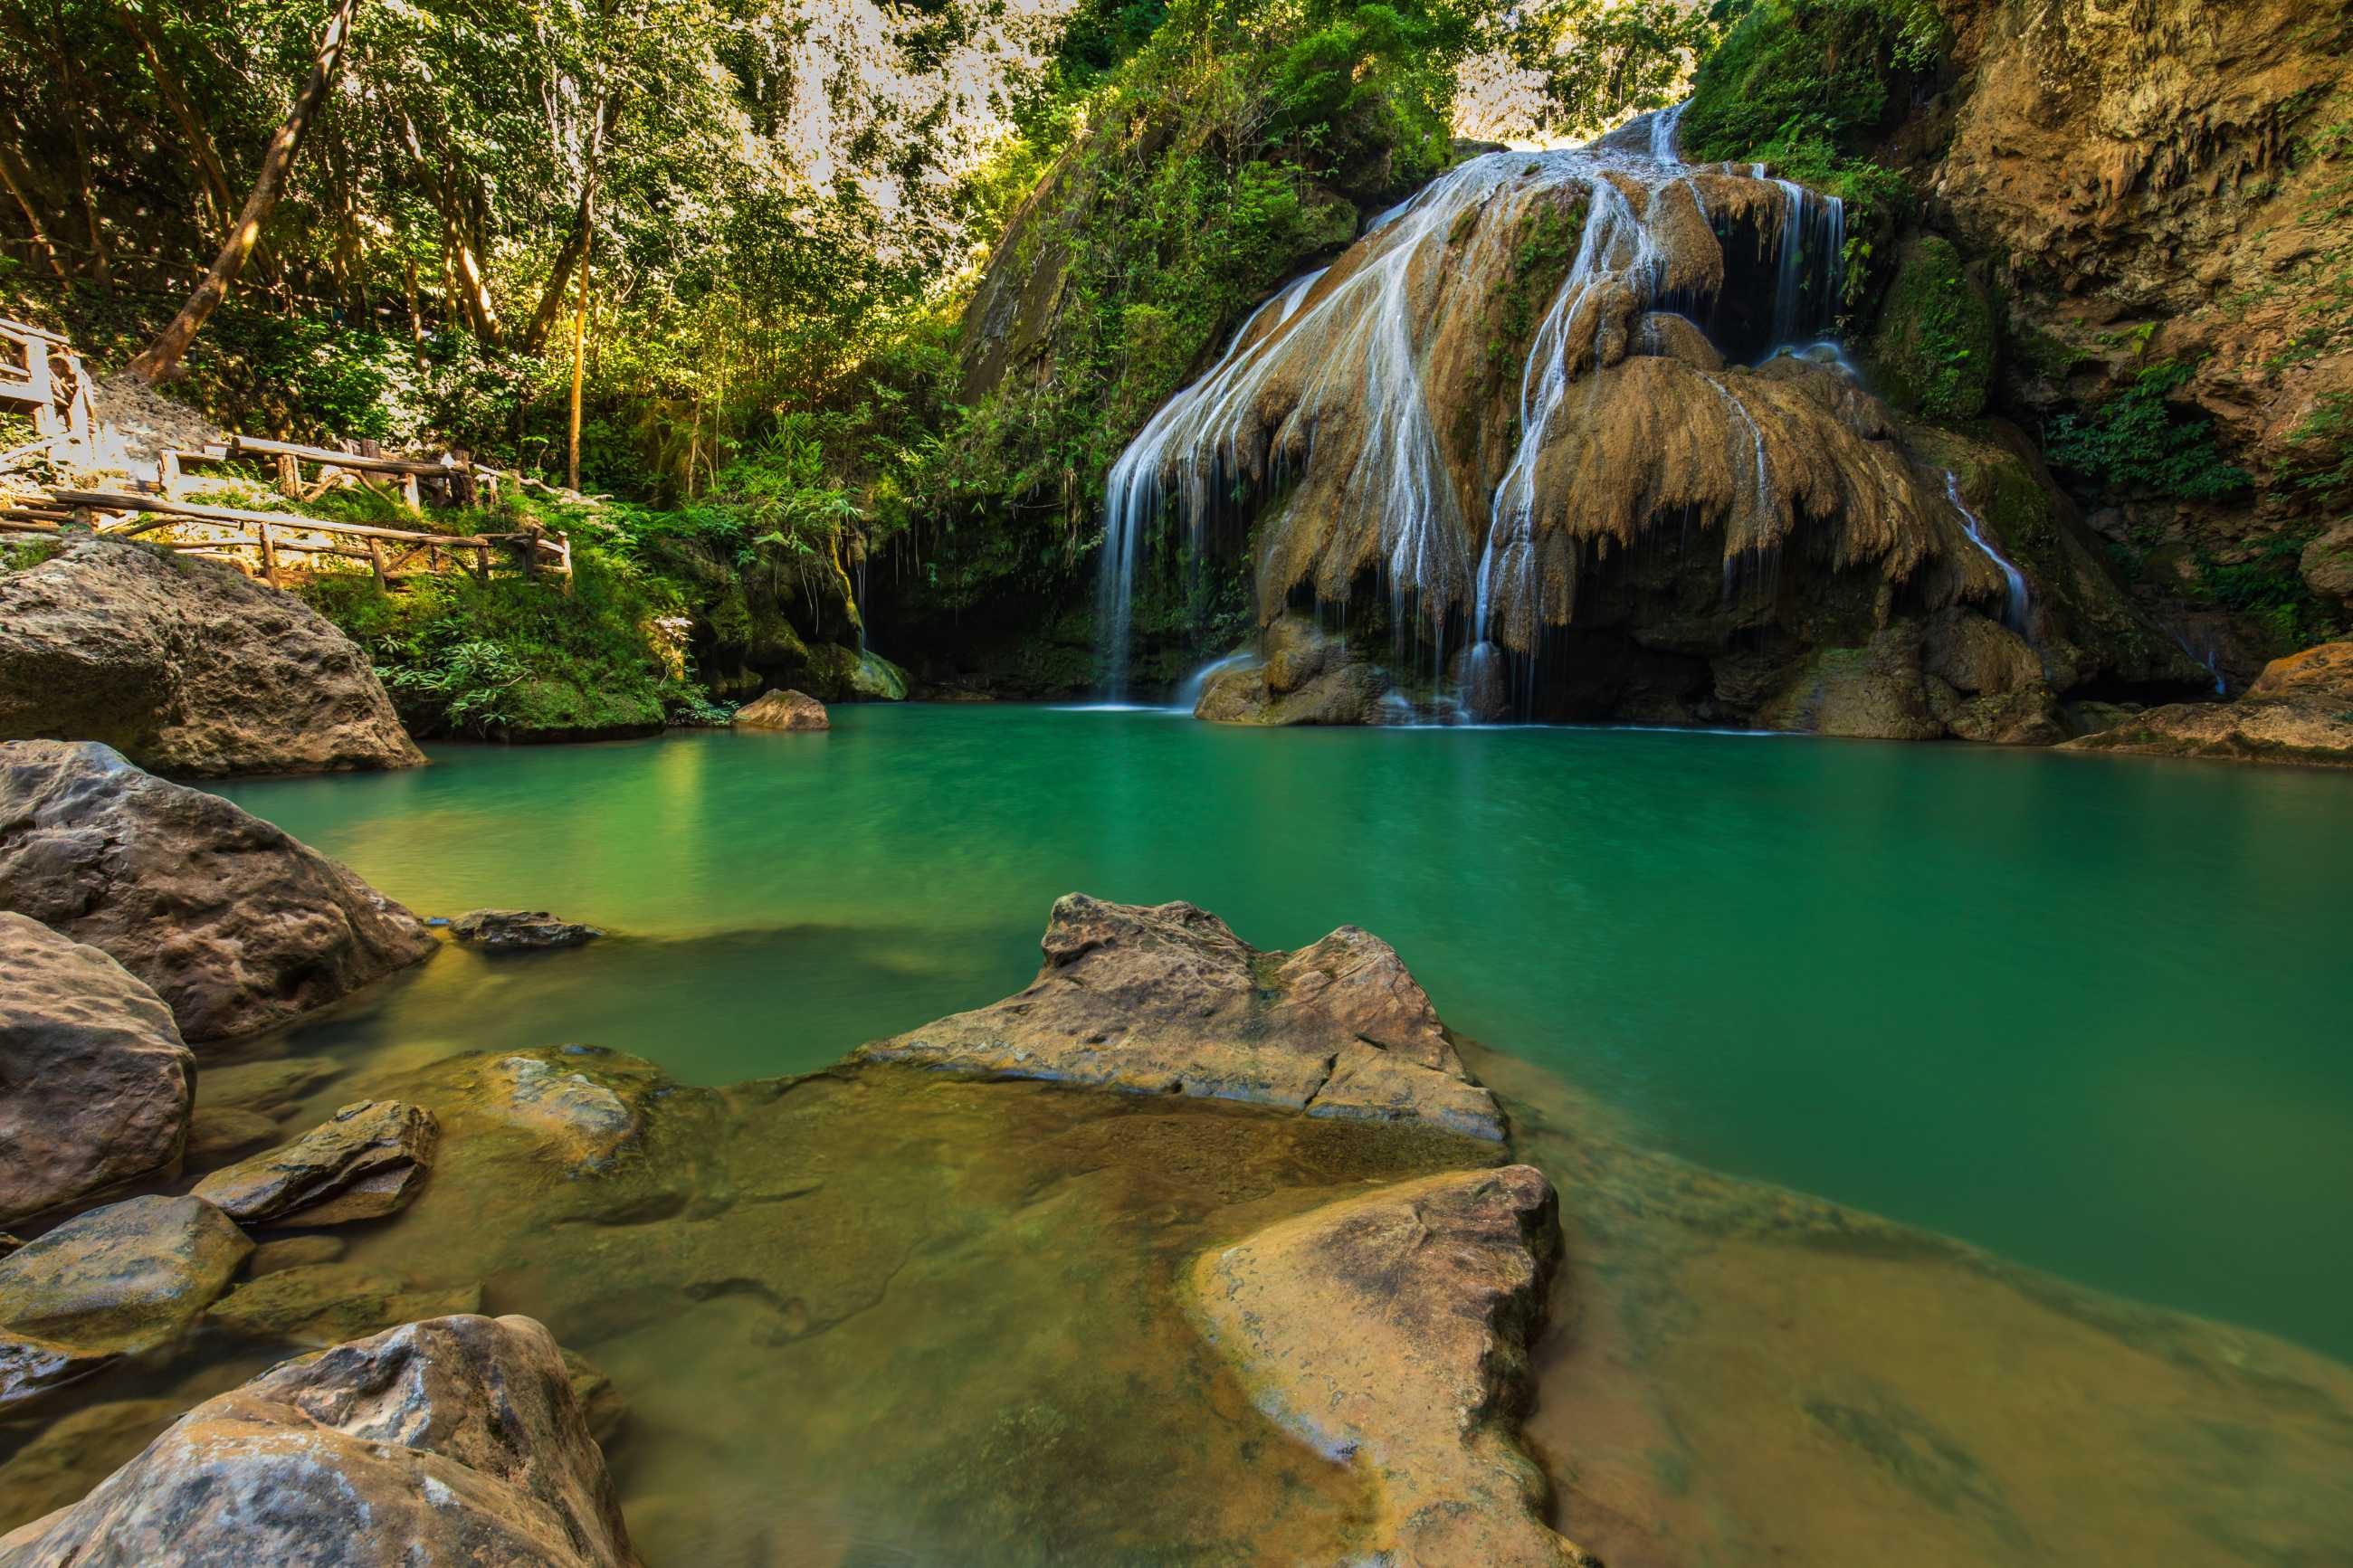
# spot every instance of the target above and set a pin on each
(163, 356)
(559, 276)
(580, 344)
(19, 182)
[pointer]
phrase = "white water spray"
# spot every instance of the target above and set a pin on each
(2017, 606)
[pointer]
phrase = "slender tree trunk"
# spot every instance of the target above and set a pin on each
(416, 316)
(163, 356)
(573, 254)
(19, 182)
(192, 124)
(580, 346)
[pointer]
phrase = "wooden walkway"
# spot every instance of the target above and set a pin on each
(40, 373)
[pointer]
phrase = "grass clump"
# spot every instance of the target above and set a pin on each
(2134, 442)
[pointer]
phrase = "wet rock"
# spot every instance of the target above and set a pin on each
(2327, 564)
(2300, 710)
(516, 931)
(2031, 716)
(271, 1087)
(1392, 1330)
(293, 1252)
(1306, 676)
(368, 1160)
(1874, 692)
(1933, 350)
(234, 924)
(1976, 656)
(187, 666)
(783, 710)
(118, 1280)
(95, 1084)
(1167, 999)
(588, 1121)
(321, 1304)
(218, 1135)
(453, 1440)
(601, 1404)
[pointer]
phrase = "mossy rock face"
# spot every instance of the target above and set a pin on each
(1933, 352)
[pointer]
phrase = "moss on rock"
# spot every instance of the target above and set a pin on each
(1933, 352)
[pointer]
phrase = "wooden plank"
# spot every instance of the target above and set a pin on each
(238, 446)
(194, 513)
(377, 561)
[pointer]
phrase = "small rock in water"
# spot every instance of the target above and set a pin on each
(120, 1279)
(783, 710)
(273, 1086)
(293, 1252)
(217, 1136)
(517, 929)
(368, 1160)
(321, 1304)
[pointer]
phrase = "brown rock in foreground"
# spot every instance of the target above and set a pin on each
(2300, 710)
(1167, 999)
(456, 1440)
(365, 1161)
(783, 710)
(236, 925)
(1391, 1331)
(1306, 676)
(517, 931)
(187, 666)
(95, 1085)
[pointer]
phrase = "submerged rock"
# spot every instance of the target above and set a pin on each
(292, 1252)
(1306, 676)
(218, 1135)
(1167, 999)
(120, 1279)
(456, 1440)
(236, 924)
(2300, 710)
(187, 666)
(783, 710)
(95, 1084)
(321, 1304)
(368, 1160)
(1392, 1330)
(514, 930)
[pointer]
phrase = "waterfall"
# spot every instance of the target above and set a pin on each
(1189, 691)
(2016, 605)
(1344, 397)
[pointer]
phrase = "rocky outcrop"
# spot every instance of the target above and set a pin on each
(2300, 710)
(95, 1084)
(120, 1279)
(367, 1162)
(519, 931)
(1392, 1332)
(453, 1440)
(187, 666)
(235, 924)
(1167, 999)
(1306, 676)
(783, 710)
(2143, 186)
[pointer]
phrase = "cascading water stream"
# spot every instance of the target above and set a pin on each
(2016, 605)
(1345, 351)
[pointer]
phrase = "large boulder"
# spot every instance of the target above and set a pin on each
(1167, 999)
(2300, 710)
(456, 1440)
(95, 1084)
(187, 666)
(368, 1160)
(236, 924)
(1391, 1331)
(118, 1280)
(783, 710)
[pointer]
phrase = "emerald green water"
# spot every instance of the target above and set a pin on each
(2088, 1013)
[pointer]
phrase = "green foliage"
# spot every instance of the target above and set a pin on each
(1934, 347)
(17, 552)
(512, 656)
(1547, 244)
(1602, 60)
(1808, 86)
(2269, 588)
(2136, 442)
(2323, 463)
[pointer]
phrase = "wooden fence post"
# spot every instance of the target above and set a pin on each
(289, 475)
(376, 559)
(269, 556)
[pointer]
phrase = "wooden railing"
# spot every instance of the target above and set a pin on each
(391, 554)
(41, 374)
